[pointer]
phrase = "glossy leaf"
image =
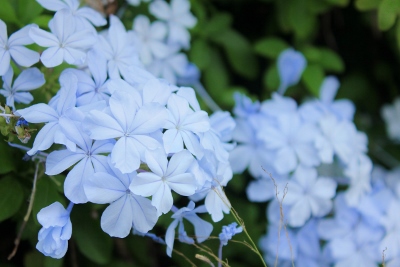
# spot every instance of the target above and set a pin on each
(270, 47)
(91, 240)
(11, 197)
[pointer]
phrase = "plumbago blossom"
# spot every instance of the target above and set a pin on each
(129, 139)
(307, 150)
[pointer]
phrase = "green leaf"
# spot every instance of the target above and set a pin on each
(312, 54)
(217, 24)
(302, 21)
(331, 61)
(7, 13)
(11, 197)
(28, 10)
(50, 262)
(341, 3)
(7, 163)
(46, 194)
(42, 21)
(270, 47)
(364, 5)
(216, 76)
(271, 78)
(239, 51)
(200, 53)
(398, 34)
(33, 259)
(313, 76)
(91, 240)
(387, 13)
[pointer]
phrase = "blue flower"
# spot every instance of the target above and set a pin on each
(56, 231)
(228, 231)
(291, 65)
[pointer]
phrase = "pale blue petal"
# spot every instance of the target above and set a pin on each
(103, 146)
(192, 143)
(53, 5)
(170, 236)
(100, 163)
(53, 215)
(117, 218)
(157, 161)
(45, 138)
(160, 9)
(173, 141)
(328, 89)
(156, 91)
(81, 40)
(60, 160)
(23, 97)
(102, 126)
(197, 122)
(21, 37)
(291, 65)
(76, 178)
(299, 213)
(43, 38)
(162, 199)
(92, 15)
(202, 228)
(260, 190)
(102, 188)
(38, 113)
(144, 214)
(24, 56)
(125, 155)
(145, 184)
(73, 55)
(52, 57)
(73, 131)
(179, 163)
(122, 106)
(149, 118)
(69, 85)
(184, 184)
(4, 61)
(29, 79)
(216, 203)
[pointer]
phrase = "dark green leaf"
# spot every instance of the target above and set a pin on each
(46, 194)
(216, 76)
(312, 54)
(387, 13)
(11, 197)
(365, 5)
(270, 47)
(91, 240)
(331, 61)
(42, 21)
(341, 3)
(7, 13)
(239, 51)
(312, 77)
(217, 24)
(271, 78)
(7, 163)
(200, 53)
(28, 10)
(302, 21)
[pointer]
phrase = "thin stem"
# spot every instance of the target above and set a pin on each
(241, 223)
(8, 115)
(206, 97)
(27, 215)
(220, 254)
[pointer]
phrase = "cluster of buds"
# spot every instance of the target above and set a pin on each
(12, 125)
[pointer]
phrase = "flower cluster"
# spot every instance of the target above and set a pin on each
(305, 151)
(130, 139)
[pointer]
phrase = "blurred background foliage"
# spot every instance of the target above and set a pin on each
(235, 45)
